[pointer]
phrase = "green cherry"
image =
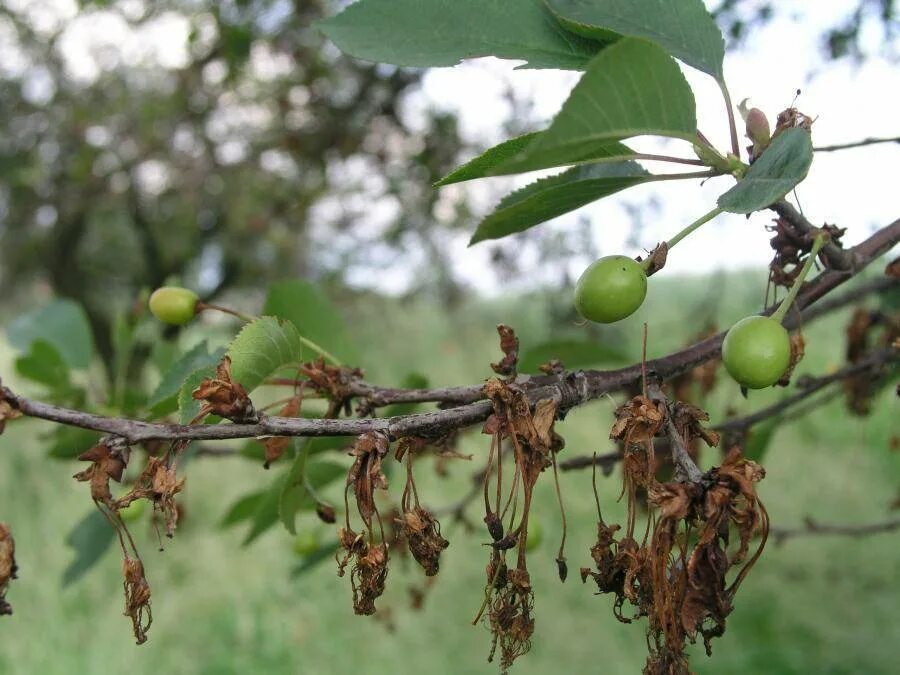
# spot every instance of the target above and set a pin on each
(610, 289)
(535, 535)
(174, 305)
(756, 351)
(133, 511)
(306, 543)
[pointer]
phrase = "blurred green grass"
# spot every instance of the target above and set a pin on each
(812, 605)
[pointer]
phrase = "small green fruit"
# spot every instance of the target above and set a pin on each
(756, 351)
(133, 511)
(535, 535)
(610, 289)
(306, 543)
(174, 305)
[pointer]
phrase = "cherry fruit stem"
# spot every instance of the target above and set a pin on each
(306, 342)
(705, 218)
(783, 308)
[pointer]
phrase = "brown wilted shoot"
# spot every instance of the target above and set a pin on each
(224, 397)
(8, 566)
(137, 598)
(276, 445)
(420, 529)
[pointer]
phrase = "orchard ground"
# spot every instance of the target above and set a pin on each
(811, 605)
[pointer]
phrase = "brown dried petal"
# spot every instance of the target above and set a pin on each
(8, 566)
(137, 598)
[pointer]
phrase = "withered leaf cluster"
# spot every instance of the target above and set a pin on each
(108, 461)
(275, 446)
(8, 410)
(416, 525)
(677, 576)
(8, 566)
(137, 597)
(332, 382)
(509, 598)
(791, 246)
(865, 330)
(369, 571)
(159, 483)
(509, 345)
(224, 397)
(370, 558)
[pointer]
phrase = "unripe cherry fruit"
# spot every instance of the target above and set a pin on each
(174, 305)
(306, 543)
(133, 511)
(535, 535)
(756, 351)
(610, 289)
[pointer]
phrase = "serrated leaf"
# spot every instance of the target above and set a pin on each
(261, 348)
(315, 316)
(683, 28)
(501, 159)
(45, 365)
(194, 359)
(90, 538)
(632, 88)
(573, 354)
(556, 195)
(779, 169)
(427, 33)
(63, 324)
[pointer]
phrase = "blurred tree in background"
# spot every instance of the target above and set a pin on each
(259, 154)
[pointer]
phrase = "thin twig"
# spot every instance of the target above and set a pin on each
(568, 390)
(856, 144)
(815, 528)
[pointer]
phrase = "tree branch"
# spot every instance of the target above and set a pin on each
(856, 144)
(568, 389)
(837, 257)
(812, 527)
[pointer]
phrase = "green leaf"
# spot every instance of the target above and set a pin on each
(303, 480)
(69, 442)
(573, 353)
(90, 538)
(554, 196)
(443, 32)
(63, 324)
(760, 438)
(630, 89)
(265, 515)
(188, 408)
(487, 162)
(684, 28)
(194, 359)
(315, 316)
(261, 348)
(245, 507)
(310, 562)
(503, 159)
(777, 171)
(45, 365)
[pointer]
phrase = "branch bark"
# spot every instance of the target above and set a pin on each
(568, 389)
